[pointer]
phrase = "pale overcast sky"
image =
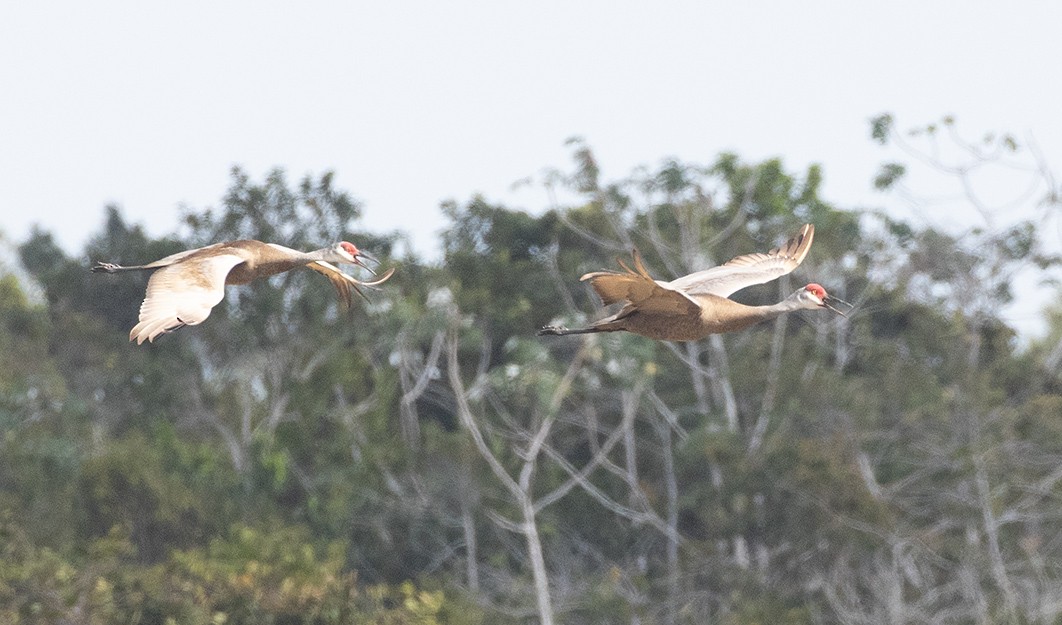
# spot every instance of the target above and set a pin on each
(149, 105)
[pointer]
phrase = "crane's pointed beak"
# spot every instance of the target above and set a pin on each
(830, 302)
(368, 257)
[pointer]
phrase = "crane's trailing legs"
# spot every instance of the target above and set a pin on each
(559, 331)
(112, 268)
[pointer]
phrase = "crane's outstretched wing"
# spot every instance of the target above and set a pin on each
(343, 282)
(173, 258)
(638, 288)
(748, 269)
(182, 294)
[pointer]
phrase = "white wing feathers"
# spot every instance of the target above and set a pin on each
(637, 288)
(748, 269)
(182, 294)
(728, 279)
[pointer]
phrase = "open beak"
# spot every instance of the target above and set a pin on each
(361, 255)
(830, 302)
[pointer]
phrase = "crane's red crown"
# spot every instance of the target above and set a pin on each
(816, 290)
(350, 249)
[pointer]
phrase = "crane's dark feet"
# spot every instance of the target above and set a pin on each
(106, 267)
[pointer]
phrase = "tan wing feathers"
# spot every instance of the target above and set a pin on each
(640, 289)
(640, 269)
(343, 283)
(615, 287)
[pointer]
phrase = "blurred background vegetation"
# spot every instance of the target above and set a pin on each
(428, 459)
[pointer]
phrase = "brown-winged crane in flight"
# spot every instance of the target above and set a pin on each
(694, 306)
(188, 284)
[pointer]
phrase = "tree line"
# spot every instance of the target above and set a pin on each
(428, 459)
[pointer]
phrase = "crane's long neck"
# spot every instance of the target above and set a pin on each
(735, 316)
(280, 254)
(720, 314)
(788, 305)
(325, 253)
(273, 259)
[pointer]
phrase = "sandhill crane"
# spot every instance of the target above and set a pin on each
(188, 284)
(694, 306)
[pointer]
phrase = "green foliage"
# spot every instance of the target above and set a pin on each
(889, 175)
(166, 491)
(585, 178)
(288, 463)
(880, 127)
(496, 258)
(765, 609)
(248, 577)
(29, 381)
